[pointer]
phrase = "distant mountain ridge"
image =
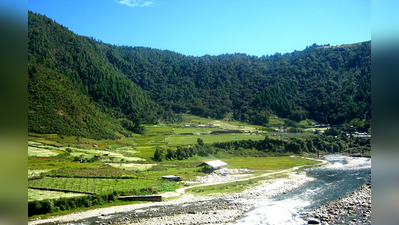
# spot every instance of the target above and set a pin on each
(83, 87)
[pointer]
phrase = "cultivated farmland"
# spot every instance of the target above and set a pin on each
(109, 168)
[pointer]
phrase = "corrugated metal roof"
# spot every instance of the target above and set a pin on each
(214, 163)
(169, 176)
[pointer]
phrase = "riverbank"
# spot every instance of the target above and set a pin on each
(352, 209)
(221, 208)
(189, 209)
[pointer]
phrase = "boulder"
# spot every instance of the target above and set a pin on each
(313, 222)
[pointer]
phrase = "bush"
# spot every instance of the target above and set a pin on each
(34, 208)
(62, 204)
(47, 206)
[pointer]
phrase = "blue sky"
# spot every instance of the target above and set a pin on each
(199, 27)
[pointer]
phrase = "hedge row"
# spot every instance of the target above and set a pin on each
(63, 204)
(98, 177)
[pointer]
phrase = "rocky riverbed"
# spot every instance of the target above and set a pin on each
(222, 208)
(352, 209)
(196, 213)
(187, 209)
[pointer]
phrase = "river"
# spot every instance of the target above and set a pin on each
(341, 177)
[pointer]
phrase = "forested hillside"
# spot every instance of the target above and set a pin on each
(328, 84)
(83, 87)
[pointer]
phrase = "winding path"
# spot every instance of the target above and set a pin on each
(126, 208)
(181, 191)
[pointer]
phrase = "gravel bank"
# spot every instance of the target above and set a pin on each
(221, 175)
(352, 209)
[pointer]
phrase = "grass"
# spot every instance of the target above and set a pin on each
(39, 195)
(187, 170)
(40, 163)
(131, 166)
(154, 134)
(33, 173)
(193, 130)
(97, 185)
(73, 141)
(114, 155)
(128, 149)
(145, 151)
(232, 187)
(192, 139)
(227, 123)
(158, 130)
(71, 211)
(40, 152)
(276, 121)
(266, 163)
(46, 153)
(105, 171)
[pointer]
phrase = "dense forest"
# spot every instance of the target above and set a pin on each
(83, 87)
(268, 147)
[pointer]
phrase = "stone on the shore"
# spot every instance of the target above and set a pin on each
(313, 222)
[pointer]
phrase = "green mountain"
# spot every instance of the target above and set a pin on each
(81, 86)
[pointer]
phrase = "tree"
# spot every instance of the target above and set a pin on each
(200, 142)
(81, 76)
(298, 115)
(293, 147)
(180, 154)
(290, 123)
(170, 155)
(158, 154)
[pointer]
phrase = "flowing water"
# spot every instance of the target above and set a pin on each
(343, 176)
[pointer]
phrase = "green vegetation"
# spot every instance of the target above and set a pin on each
(101, 186)
(81, 87)
(267, 163)
(114, 119)
(190, 140)
(232, 187)
(39, 195)
(132, 166)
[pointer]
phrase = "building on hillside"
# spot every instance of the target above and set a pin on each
(215, 164)
(171, 178)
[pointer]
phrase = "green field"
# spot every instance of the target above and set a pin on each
(40, 152)
(193, 130)
(101, 166)
(131, 166)
(232, 187)
(99, 185)
(38, 195)
(192, 139)
(266, 163)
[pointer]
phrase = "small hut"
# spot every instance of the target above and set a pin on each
(171, 178)
(215, 164)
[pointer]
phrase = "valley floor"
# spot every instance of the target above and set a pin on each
(192, 209)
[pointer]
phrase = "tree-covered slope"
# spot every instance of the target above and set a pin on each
(330, 84)
(63, 66)
(55, 105)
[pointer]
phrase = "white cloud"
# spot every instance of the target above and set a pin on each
(135, 3)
